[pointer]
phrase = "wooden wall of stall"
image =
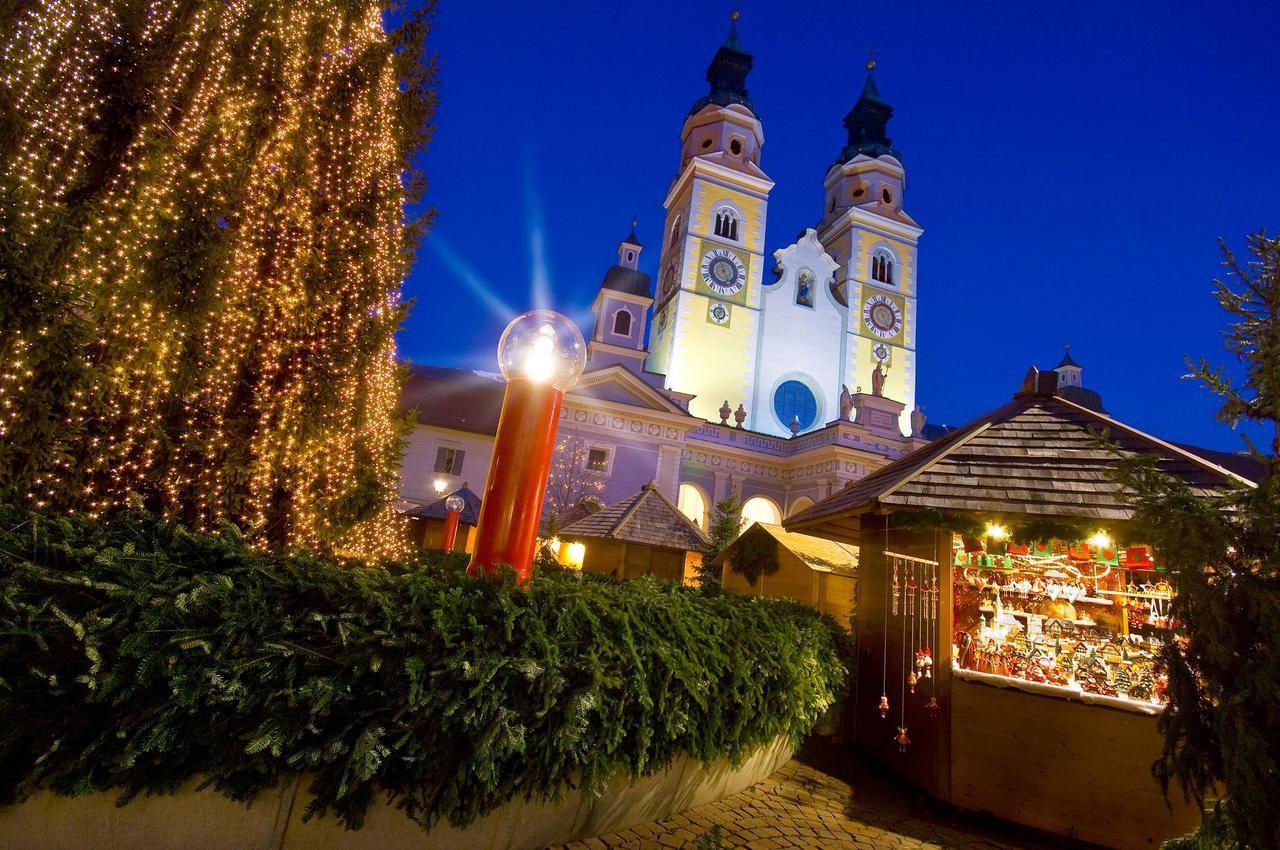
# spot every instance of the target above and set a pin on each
(927, 760)
(1078, 770)
(830, 593)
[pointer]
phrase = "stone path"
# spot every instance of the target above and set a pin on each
(803, 807)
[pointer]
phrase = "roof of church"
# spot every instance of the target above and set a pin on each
(647, 517)
(470, 514)
(1037, 455)
(630, 281)
(727, 75)
(867, 124)
(1066, 360)
(631, 237)
(816, 553)
(453, 398)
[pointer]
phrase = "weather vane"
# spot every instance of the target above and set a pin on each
(872, 53)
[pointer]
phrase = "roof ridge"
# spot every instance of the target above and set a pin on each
(636, 501)
(676, 510)
(1171, 447)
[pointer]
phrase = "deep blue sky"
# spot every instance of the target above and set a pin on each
(1072, 164)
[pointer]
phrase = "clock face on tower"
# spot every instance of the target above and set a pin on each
(723, 271)
(882, 316)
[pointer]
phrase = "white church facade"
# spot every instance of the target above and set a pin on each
(779, 374)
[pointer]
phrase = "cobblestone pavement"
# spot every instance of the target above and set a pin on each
(803, 807)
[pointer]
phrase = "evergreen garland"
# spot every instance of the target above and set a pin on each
(202, 241)
(139, 654)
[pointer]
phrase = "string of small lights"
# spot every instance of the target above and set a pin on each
(203, 219)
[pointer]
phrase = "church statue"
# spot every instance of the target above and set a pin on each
(725, 412)
(740, 415)
(917, 421)
(877, 379)
(846, 402)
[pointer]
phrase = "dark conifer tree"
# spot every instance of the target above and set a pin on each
(1222, 725)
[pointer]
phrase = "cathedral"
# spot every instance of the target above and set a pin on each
(780, 379)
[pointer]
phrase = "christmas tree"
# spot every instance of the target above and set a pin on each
(202, 241)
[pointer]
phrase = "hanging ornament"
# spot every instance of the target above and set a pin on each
(925, 663)
(896, 587)
(884, 706)
(902, 739)
(911, 682)
(933, 707)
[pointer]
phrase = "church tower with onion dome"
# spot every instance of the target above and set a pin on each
(867, 230)
(707, 312)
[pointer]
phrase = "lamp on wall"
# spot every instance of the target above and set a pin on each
(575, 554)
(541, 354)
(440, 484)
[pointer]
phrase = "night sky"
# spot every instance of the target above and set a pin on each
(1073, 166)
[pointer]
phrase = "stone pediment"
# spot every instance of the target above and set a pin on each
(618, 385)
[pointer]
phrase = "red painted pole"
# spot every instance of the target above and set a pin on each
(522, 450)
(450, 530)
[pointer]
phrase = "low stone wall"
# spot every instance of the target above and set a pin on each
(207, 820)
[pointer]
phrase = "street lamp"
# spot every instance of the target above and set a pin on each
(541, 354)
(575, 555)
(452, 511)
(440, 484)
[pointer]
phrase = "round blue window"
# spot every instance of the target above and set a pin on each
(793, 399)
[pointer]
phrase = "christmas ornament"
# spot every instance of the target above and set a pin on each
(902, 739)
(884, 706)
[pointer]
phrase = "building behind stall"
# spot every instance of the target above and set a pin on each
(818, 572)
(1008, 619)
(779, 368)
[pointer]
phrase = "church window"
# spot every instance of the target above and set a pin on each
(726, 224)
(598, 459)
(706, 143)
(804, 288)
(760, 509)
(693, 504)
(622, 323)
(631, 255)
(794, 400)
(886, 196)
(735, 147)
(882, 267)
(859, 190)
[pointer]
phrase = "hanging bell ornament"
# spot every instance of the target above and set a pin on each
(911, 682)
(884, 705)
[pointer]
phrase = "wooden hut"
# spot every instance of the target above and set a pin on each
(767, 560)
(642, 535)
(426, 522)
(1038, 701)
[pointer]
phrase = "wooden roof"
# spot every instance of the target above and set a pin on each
(816, 553)
(1037, 456)
(647, 517)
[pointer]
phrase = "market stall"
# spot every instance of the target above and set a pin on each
(1010, 620)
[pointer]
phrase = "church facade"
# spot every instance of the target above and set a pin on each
(780, 374)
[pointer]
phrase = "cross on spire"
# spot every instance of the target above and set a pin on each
(872, 53)
(735, 10)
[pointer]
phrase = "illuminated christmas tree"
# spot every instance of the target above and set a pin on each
(202, 241)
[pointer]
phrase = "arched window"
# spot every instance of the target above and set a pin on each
(882, 266)
(675, 229)
(727, 224)
(622, 323)
(800, 504)
(760, 509)
(693, 504)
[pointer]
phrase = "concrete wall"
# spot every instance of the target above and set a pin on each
(207, 820)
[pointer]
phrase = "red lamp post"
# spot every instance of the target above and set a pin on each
(452, 511)
(541, 355)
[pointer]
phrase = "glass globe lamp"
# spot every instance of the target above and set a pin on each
(455, 503)
(543, 346)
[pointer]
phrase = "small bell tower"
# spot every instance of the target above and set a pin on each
(622, 310)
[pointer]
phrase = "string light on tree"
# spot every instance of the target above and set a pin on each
(206, 204)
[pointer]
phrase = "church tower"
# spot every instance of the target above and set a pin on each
(707, 315)
(866, 230)
(620, 308)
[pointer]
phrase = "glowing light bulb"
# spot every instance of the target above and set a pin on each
(1100, 539)
(543, 346)
(996, 531)
(575, 554)
(440, 484)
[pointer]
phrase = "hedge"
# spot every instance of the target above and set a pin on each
(137, 654)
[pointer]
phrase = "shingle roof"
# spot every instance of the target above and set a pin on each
(647, 517)
(470, 514)
(1036, 455)
(817, 553)
(630, 281)
(453, 398)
